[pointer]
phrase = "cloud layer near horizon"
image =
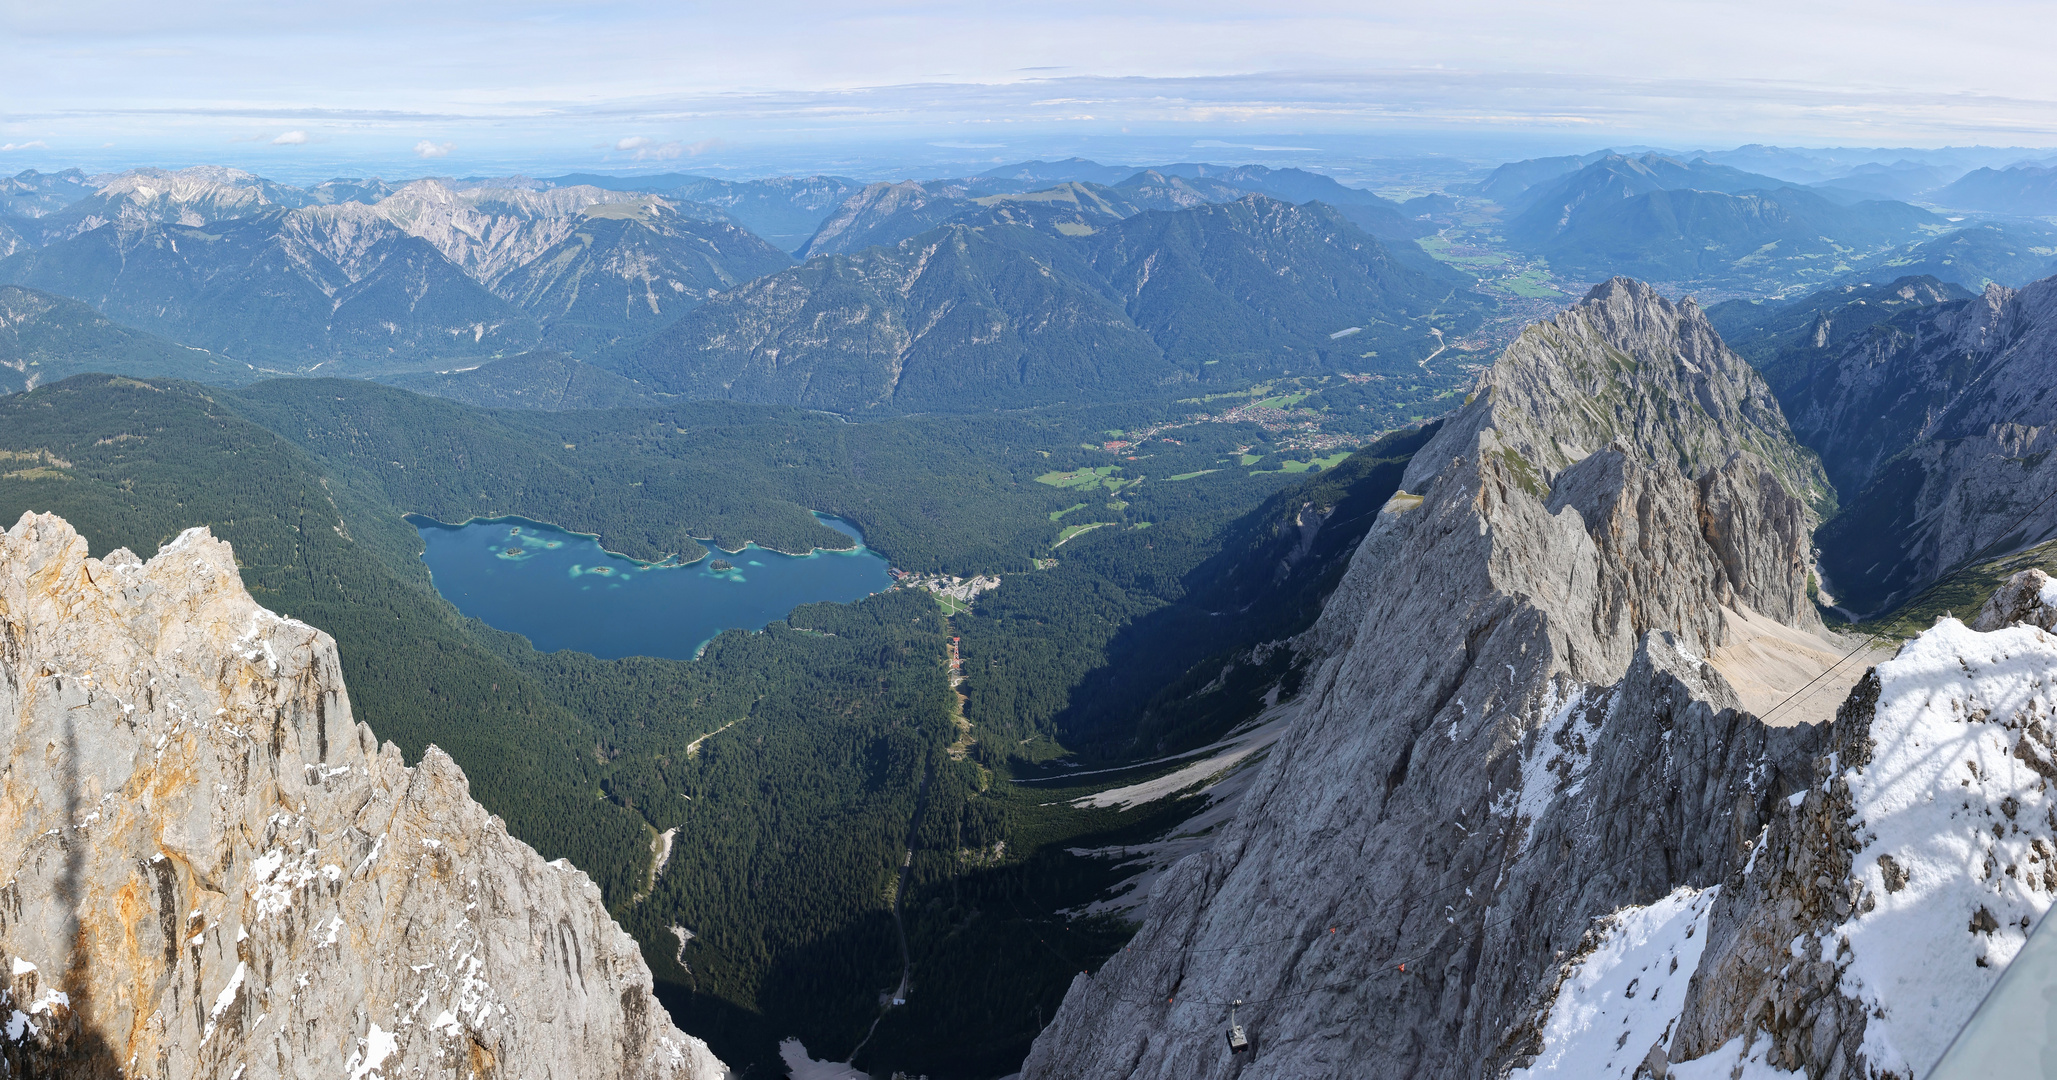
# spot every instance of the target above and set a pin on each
(642, 80)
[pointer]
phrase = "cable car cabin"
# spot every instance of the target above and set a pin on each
(1238, 1041)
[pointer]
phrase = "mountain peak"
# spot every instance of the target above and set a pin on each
(1625, 365)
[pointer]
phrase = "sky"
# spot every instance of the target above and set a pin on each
(299, 90)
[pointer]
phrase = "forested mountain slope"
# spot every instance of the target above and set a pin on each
(536, 380)
(44, 338)
(993, 317)
(284, 291)
(881, 214)
(1381, 217)
(1033, 175)
(844, 709)
(955, 319)
(2010, 253)
(1258, 286)
(1662, 218)
(2027, 190)
(1547, 208)
(1686, 234)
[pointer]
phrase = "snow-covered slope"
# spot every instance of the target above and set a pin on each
(1623, 997)
(1887, 896)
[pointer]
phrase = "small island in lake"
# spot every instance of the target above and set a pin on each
(720, 565)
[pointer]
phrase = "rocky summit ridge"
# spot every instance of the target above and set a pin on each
(213, 870)
(1525, 710)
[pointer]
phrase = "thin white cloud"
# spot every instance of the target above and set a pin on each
(427, 149)
(34, 144)
(291, 138)
(644, 148)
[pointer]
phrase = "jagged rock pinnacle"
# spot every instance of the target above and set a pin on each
(213, 870)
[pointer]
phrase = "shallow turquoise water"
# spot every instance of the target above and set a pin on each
(561, 590)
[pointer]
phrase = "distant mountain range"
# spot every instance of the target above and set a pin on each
(1546, 209)
(340, 288)
(1662, 218)
(358, 276)
(2023, 189)
(1000, 314)
(889, 213)
(1043, 174)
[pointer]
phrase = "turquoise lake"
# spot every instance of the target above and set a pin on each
(561, 590)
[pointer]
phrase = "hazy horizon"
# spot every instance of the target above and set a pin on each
(440, 88)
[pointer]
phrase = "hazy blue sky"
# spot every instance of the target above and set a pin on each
(290, 87)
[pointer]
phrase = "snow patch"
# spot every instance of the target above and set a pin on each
(1557, 763)
(1946, 797)
(1624, 997)
(373, 1050)
(800, 1066)
(273, 880)
(223, 1000)
(1735, 1060)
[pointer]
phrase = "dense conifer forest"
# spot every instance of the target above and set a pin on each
(812, 773)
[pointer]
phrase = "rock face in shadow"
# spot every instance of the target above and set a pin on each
(1508, 729)
(1937, 427)
(213, 870)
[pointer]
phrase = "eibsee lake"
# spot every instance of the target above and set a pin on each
(562, 590)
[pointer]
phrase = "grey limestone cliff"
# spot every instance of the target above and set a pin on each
(212, 870)
(1522, 715)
